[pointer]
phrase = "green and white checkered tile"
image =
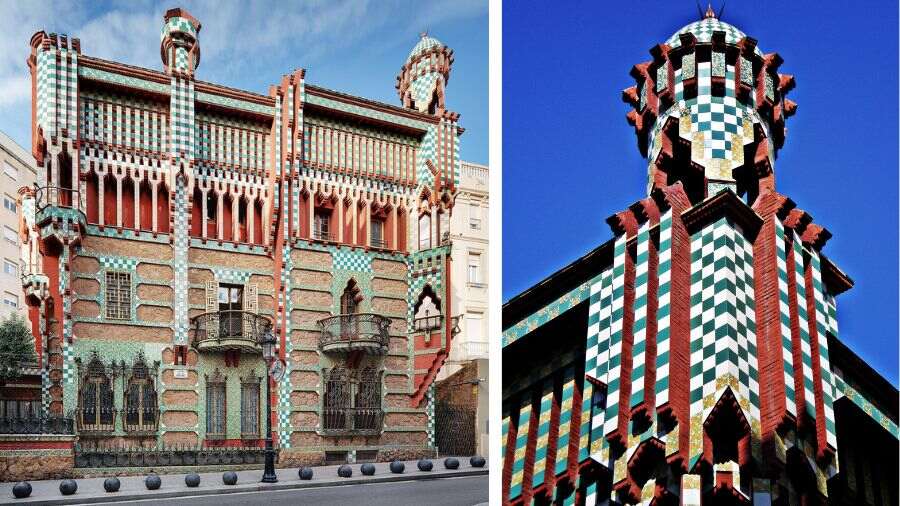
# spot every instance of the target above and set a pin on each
(351, 260)
(824, 361)
(785, 319)
(642, 268)
(748, 364)
(543, 434)
(180, 262)
(611, 417)
(586, 435)
(664, 301)
(423, 87)
(805, 345)
(594, 340)
(703, 30)
(702, 335)
(429, 411)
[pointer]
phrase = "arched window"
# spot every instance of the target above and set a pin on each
(425, 231)
(140, 407)
(96, 411)
(197, 213)
(427, 311)
(212, 210)
(242, 220)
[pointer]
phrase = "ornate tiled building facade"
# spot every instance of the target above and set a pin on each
(176, 221)
(694, 358)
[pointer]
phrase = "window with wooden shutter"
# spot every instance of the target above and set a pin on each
(212, 307)
(251, 305)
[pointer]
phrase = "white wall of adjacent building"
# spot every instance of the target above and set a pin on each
(15, 172)
(469, 230)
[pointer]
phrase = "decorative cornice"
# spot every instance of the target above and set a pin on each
(727, 204)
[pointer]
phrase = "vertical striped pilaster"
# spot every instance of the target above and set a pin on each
(785, 319)
(639, 350)
(748, 365)
(804, 341)
(724, 338)
(565, 421)
(518, 466)
(611, 418)
(663, 312)
(543, 433)
(827, 382)
(584, 440)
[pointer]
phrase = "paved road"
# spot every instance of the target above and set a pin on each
(464, 491)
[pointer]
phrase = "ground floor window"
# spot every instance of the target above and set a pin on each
(215, 406)
(352, 400)
(250, 406)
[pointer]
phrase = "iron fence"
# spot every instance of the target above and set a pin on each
(352, 421)
(37, 425)
(100, 455)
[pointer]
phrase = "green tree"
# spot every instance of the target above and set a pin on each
(16, 347)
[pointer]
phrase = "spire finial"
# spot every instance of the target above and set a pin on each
(423, 34)
(710, 13)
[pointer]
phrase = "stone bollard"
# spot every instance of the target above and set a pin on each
(192, 480)
(367, 469)
(305, 473)
(477, 461)
(111, 484)
(68, 487)
(21, 490)
(451, 463)
(229, 478)
(397, 467)
(152, 482)
(425, 465)
(345, 471)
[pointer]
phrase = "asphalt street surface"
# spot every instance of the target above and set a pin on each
(463, 491)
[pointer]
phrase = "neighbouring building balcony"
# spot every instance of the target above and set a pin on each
(352, 421)
(229, 330)
(365, 332)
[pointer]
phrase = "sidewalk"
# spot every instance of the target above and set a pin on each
(90, 490)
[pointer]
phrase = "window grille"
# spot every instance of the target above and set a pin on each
(250, 407)
(141, 410)
(215, 406)
(118, 295)
(352, 403)
(96, 411)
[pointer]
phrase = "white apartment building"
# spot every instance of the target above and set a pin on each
(469, 226)
(16, 173)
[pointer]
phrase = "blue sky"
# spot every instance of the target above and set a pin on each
(354, 46)
(570, 159)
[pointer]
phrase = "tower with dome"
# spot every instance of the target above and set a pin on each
(694, 358)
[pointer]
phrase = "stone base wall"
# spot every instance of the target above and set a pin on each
(36, 457)
(297, 458)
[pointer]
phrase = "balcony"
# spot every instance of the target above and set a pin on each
(66, 199)
(37, 425)
(355, 332)
(352, 421)
(229, 330)
(322, 234)
(378, 242)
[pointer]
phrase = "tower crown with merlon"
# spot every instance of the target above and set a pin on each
(179, 44)
(424, 76)
(710, 110)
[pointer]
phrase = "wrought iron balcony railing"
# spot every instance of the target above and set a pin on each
(428, 322)
(140, 420)
(350, 332)
(378, 242)
(229, 330)
(352, 421)
(57, 196)
(37, 425)
(323, 235)
(99, 421)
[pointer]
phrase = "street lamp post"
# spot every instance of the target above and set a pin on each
(267, 341)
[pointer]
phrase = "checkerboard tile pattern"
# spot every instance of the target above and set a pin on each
(352, 260)
(518, 465)
(543, 434)
(565, 421)
(180, 262)
(639, 328)
(824, 363)
(704, 30)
